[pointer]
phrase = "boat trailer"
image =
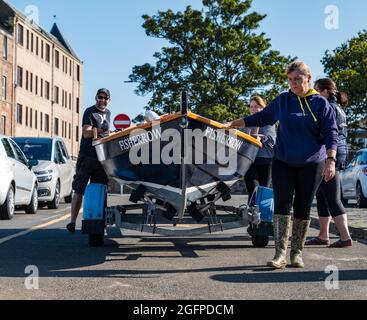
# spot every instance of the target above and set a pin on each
(150, 216)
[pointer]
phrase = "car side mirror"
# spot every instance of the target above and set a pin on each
(32, 163)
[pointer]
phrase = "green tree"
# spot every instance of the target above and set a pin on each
(347, 66)
(216, 55)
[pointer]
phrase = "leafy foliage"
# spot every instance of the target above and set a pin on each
(347, 66)
(216, 55)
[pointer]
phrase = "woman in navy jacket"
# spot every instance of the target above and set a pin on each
(304, 153)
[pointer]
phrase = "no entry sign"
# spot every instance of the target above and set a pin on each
(122, 121)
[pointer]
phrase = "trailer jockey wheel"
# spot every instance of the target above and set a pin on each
(96, 240)
(260, 241)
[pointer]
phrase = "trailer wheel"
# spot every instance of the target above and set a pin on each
(96, 240)
(260, 241)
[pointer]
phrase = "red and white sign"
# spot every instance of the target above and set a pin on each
(122, 121)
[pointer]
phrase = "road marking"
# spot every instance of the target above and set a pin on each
(119, 285)
(351, 259)
(57, 214)
(35, 228)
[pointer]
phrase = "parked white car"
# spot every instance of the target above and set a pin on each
(19, 184)
(354, 180)
(55, 170)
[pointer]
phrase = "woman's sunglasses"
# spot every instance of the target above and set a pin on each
(103, 98)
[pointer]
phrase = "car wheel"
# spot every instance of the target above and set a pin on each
(55, 203)
(8, 208)
(33, 206)
(361, 199)
(69, 198)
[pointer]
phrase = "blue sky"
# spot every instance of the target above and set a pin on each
(107, 35)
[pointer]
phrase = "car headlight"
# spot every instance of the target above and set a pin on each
(40, 173)
(44, 179)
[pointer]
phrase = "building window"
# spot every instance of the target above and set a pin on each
(26, 116)
(69, 101)
(31, 82)
(32, 41)
(78, 73)
(77, 134)
(36, 119)
(42, 55)
(47, 123)
(37, 46)
(19, 113)
(20, 76)
(57, 94)
(36, 85)
(48, 50)
(31, 117)
(63, 98)
(57, 59)
(41, 88)
(26, 80)
(62, 130)
(69, 131)
(3, 87)
(70, 67)
(41, 124)
(77, 105)
(27, 40)
(47, 90)
(56, 126)
(5, 48)
(20, 34)
(3, 125)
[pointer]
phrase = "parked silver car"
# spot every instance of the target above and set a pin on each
(54, 171)
(354, 180)
(19, 184)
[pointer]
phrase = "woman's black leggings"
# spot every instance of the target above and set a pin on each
(258, 175)
(295, 187)
(328, 198)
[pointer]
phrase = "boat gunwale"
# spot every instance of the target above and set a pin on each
(171, 117)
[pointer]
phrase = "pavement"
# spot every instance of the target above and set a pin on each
(221, 266)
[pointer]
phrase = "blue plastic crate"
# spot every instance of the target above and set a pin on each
(264, 199)
(95, 202)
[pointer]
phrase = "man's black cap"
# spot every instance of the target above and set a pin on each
(104, 90)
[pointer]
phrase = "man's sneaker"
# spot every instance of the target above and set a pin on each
(71, 227)
(342, 244)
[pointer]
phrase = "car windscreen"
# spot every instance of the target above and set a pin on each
(40, 150)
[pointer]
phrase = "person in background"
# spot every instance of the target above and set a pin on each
(304, 153)
(259, 173)
(329, 204)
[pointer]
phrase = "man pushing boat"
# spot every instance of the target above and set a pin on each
(88, 167)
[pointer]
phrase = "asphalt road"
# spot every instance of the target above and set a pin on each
(223, 266)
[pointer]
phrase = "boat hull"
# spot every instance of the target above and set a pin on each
(179, 161)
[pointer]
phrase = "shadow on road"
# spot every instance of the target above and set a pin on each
(289, 277)
(58, 254)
